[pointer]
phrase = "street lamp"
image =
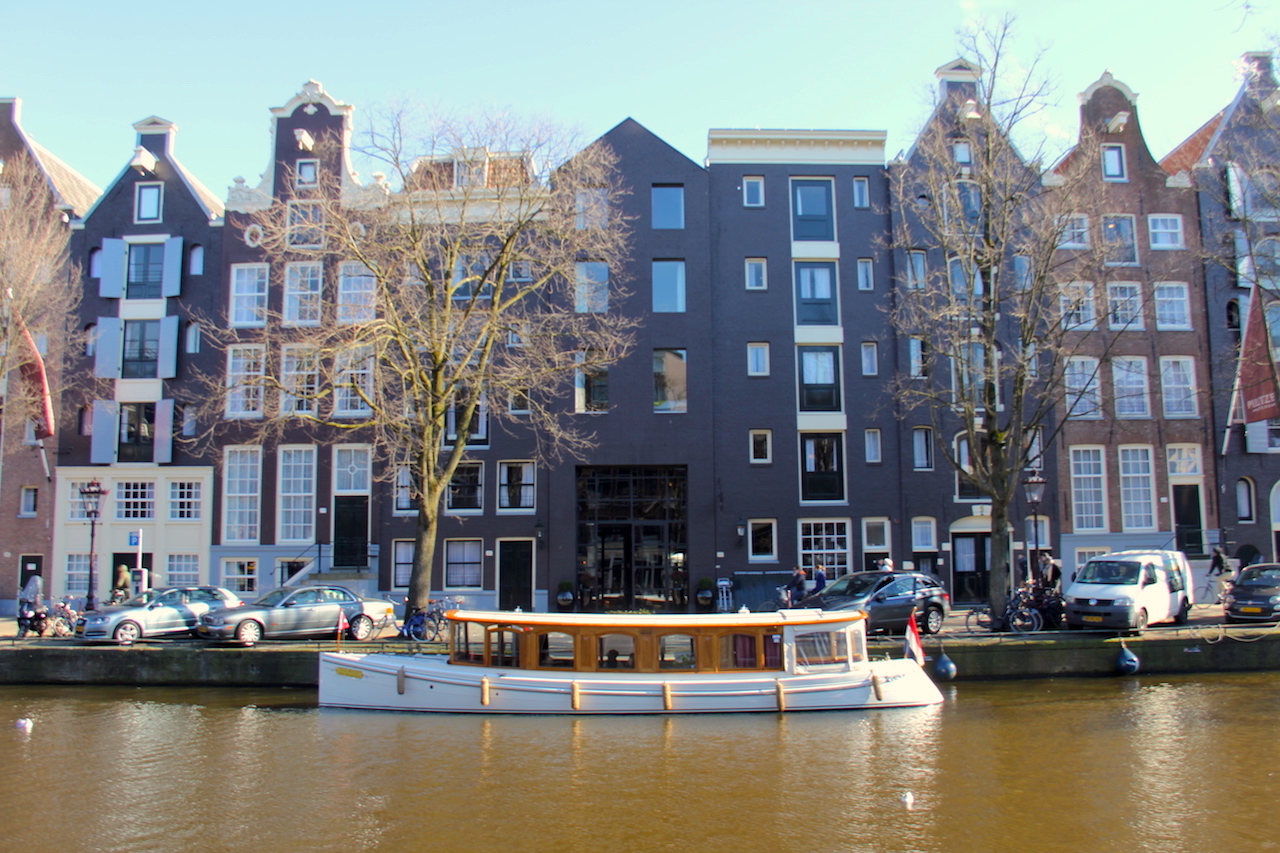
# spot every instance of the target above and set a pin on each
(91, 494)
(1034, 487)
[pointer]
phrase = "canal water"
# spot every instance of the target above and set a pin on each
(1137, 764)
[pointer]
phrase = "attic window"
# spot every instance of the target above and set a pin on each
(963, 152)
(308, 173)
(146, 205)
(471, 173)
(1113, 165)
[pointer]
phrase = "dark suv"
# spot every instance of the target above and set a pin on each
(888, 598)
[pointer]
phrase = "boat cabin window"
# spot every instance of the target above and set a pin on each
(822, 648)
(676, 651)
(617, 651)
(555, 649)
(468, 642)
(504, 647)
(738, 651)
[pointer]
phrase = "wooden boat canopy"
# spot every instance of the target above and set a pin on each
(603, 642)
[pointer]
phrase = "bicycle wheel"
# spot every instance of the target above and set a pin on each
(978, 619)
(1024, 620)
(432, 628)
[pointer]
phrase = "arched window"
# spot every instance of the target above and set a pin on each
(95, 263)
(1244, 500)
(91, 339)
(195, 260)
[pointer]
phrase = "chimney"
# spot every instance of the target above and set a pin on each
(1259, 77)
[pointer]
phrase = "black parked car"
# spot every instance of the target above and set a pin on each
(1254, 596)
(888, 598)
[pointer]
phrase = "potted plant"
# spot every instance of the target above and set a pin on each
(706, 592)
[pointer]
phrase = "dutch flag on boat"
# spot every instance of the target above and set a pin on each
(343, 624)
(912, 647)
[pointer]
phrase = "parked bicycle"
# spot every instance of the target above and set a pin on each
(1023, 613)
(62, 619)
(427, 626)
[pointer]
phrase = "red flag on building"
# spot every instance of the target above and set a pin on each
(1257, 375)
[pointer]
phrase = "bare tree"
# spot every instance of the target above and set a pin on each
(993, 309)
(37, 297)
(470, 289)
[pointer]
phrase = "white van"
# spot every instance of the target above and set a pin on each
(1130, 590)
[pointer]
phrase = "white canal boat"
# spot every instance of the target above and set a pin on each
(599, 663)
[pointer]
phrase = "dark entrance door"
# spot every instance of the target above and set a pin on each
(1187, 519)
(30, 565)
(515, 574)
(129, 559)
(617, 573)
(970, 565)
(351, 531)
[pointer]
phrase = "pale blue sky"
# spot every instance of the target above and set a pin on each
(87, 69)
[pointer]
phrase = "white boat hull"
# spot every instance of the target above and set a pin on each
(430, 683)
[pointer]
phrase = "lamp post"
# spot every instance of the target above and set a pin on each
(91, 494)
(1034, 486)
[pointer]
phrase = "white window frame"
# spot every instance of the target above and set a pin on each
(240, 575)
(193, 341)
(241, 493)
(757, 359)
(922, 448)
(866, 274)
(876, 535)
(249, 285)
(825, 541)
(1186, 392)
(1124, 306)
(1078, 305)
(182, 570)
(1132, 396)
(1137, 487)
(1246, 501)
(769, 524)
(873, 446)
(402, 559)
(1084, 400)
(1158, 224)
(306, 173)
(1133, 225)
(353, 372)
(246, 368)
(454, 563)
(861, 193)
(1075, 232)
(924, 533)
(916, 366)
(767, 435)
(962, 152)
(186, 500)
(1161, 294)
(1115, 168)
(477, 466)
(299, 379)
(750, 265)
(352, 469)
(145, 187)
(749, 181)
(296, 493)
(356, 304)
(529, 486)
(591, 295)
(28, 501)
(917, 269)
(1095, 480)
(295, 223)
(870, 358)
(303, 292)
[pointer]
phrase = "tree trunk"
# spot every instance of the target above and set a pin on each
(424, 554)
(998, 574)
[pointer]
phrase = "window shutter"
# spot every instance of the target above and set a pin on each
(164, 431)
(106, 358)
(1244, 259)
(1255, 437)
(171, 275)
(168, 355)
(1235, 191)
(112, 261)
(106, 425)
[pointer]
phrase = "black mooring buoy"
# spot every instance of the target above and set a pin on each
(944, 668)
(1126, 662)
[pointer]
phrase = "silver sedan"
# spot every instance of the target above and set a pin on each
(309, 611)
(154, 613)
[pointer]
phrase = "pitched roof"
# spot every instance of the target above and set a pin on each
(70, 189)
(1192, 149)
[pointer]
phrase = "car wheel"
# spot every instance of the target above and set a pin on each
(933, 620)
(127, 632)
(1184, 610)
(361, 628)
(1141, 621)
(249, 631)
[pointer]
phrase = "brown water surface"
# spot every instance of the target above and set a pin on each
(1145, 764)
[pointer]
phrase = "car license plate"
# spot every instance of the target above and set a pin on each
(79, 630)
(1093, 618)
(1250, 609)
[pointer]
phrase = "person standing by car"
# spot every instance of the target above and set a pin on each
(1218, 562)
(887, 564)
(29, 605)
(795, 587)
